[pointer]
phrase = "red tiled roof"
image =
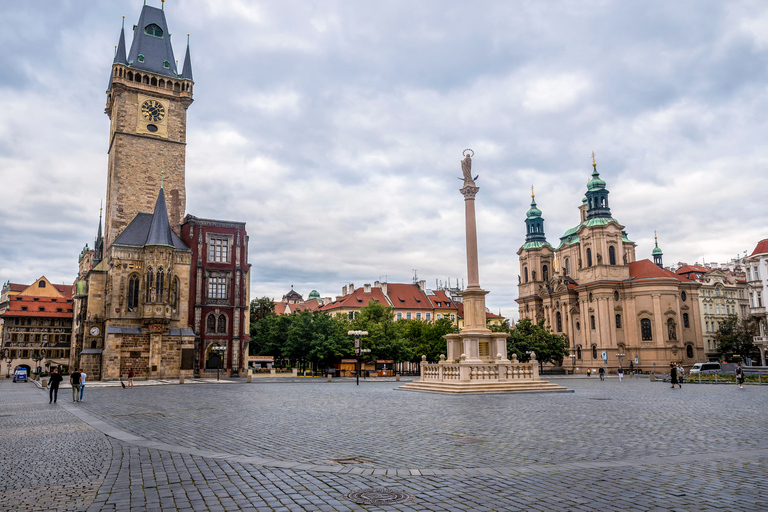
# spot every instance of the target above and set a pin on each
(357, 299)
(407, 296)
(762, 247)
(646, 269)
(280, 308)
(49, 307)
(441, 301)
(16, 287)
(488, 315)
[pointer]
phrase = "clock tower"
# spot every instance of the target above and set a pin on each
(147, 101)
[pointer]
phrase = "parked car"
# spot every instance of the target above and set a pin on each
(705, 368)
(20, 375)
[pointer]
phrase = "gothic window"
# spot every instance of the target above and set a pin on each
(592, 321)
(578, 352)
(594, 351)
(589, 257)
(612, 255)
(159, 284)
(150, 284)
(217, 287)
(218, 250)
(645, 329)
(525, 270)
(153, 30)
(559, 321)
(210, 324)
(618, 321)
(222, 325)
(545, 273)
(686, 323)
(689, 351)
(133, 292)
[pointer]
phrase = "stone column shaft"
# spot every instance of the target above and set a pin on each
(473, 275)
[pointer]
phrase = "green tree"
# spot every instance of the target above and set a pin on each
(261, 308)
(734, 338)
(529, 337)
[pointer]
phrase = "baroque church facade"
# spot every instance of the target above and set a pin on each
(612, 308)
(145, 292)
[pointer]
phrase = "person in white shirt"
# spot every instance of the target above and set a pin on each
(82, 384)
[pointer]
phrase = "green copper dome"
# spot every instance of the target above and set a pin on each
(595, 183)
(533, 212)
(314, 294)
(656, 251)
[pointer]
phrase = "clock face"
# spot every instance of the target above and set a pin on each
(94, 331)
(153, 111)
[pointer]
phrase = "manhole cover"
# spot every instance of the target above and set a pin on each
(379, 497)
(348, 461)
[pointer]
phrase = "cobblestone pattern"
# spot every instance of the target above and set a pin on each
(313, 422)
(40, 443)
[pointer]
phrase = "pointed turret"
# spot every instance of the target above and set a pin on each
(98, 245)
(657, 254)
(151, 48)
(120, 57)
(534, 226)
(160, 229)
(186, 72)
(597, 195)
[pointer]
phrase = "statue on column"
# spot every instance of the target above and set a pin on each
(466, 169)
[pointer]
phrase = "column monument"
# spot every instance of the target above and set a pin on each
(477, 358)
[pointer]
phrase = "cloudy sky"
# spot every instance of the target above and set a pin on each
(335, 130)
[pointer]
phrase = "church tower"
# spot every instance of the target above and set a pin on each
(536, 261)
(657, 254)
(147, 101)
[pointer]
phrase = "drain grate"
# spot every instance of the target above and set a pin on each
(379, 497)
(348, 461)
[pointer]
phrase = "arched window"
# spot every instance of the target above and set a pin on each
(578, 352)
(160, 283)
(594, 351)
(545, 273)
(525, 269)
(592, 321)
(559, 321)
(589, 257)
(133, 292)
(222, 325)
(686, 322)
(150, 284)
(567, 266)
(618, 321)
(689, 351)
(645, 329)
(210, 324)
(612, 255)
(153, 30)
(616, 296)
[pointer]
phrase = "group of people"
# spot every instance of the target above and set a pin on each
(77, 380)
(619, 371)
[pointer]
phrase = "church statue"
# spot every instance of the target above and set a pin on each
(466, 169)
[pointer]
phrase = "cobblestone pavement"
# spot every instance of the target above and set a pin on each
(268, 446)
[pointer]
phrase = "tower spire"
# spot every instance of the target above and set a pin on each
(98, 246)
(657, 254)
(597, 195)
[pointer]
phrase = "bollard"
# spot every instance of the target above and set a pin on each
(329, 377)
(181, 379)
(397, 377)
(44, 382)
(249, 376)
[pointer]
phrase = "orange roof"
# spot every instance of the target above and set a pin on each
(42, 307)
(687, 270)
(646, 269)
(16, 287)
(407, 296)
(762, 247)
(440, 300)
(357, 299)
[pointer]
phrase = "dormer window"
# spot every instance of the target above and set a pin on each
(141, 57)
(153, 29)
(166, 64)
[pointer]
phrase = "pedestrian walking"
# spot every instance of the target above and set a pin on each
(56, 379)
(83, 375)
(74, 379)
(740, 376)
(130, 378)
(601, 371)
(673, 375)
(631, 369)
(620, 371)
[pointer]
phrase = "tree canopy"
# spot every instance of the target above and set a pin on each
(733, 339)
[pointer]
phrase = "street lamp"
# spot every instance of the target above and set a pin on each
(358, 349)
(573, 363)
(9, 360)
(220, 352)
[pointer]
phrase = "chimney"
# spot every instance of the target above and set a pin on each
(344, 291)
(376, 284)
(366, 288)
(351, 288)
(422, 285)
(339, 297)
(383, 287)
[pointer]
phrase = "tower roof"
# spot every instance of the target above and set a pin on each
(120, 57)
(151, 48)
(160, 229)
(656, 251)
(151, 229)
(595, 183)
(186, 72)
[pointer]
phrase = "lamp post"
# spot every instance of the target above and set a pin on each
(220, 352)
(38, 356)
(573, 363)
(9, 360)
(358, 350)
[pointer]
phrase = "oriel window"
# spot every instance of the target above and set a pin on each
(218, 250)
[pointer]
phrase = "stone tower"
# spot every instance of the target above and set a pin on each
(147, 101)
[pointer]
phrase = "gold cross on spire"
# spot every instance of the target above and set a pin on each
(532, 194)
(593, 159)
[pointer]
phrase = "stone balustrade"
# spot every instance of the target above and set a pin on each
(465, 371)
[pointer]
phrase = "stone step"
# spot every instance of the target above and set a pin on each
(484, 387)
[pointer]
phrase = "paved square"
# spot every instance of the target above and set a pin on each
(634, 445)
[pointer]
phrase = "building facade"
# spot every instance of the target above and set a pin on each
(611, 308)
(756, 268)
(37, 323)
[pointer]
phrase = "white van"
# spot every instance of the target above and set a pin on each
(705, 368)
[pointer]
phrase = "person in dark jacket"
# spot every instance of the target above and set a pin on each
(74, 379)
(601, 371)
(740, 376)
(56, 379)
(673, 375)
